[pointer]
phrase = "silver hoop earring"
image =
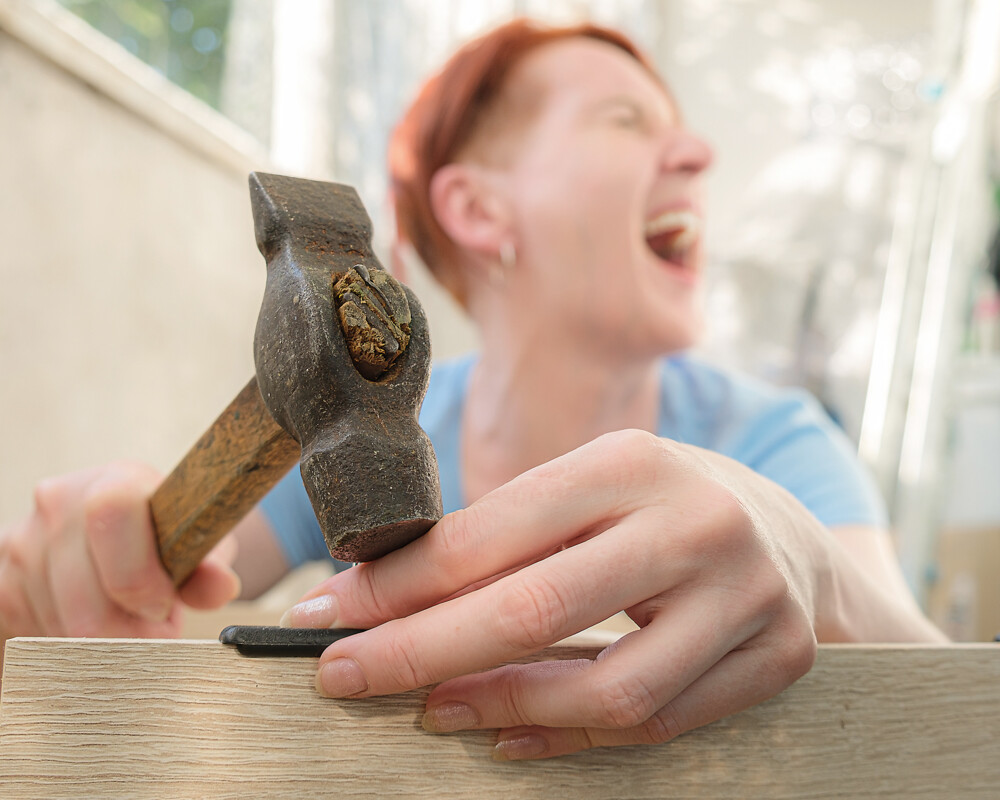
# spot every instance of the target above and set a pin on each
(508, 256)
(498, 272)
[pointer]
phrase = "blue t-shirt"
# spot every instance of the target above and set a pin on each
(782, 434)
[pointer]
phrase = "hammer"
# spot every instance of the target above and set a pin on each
(342, 356)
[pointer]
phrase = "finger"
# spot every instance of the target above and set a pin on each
(561, 502)
(122, 542)
(59, 499)
(743, 678)
(25, 578)
(522, 613)
(57, 520)
(78, 598)
(84, 607)
(214, 582)
(224, 552)
(626, 685)
(17, 616)
(212, 585)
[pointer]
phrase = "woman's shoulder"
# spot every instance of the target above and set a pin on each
(718, 407)
(709, 387)
(780, 432)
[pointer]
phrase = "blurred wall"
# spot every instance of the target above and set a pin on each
(130, 279)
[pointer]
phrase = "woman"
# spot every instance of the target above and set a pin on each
(547, 179)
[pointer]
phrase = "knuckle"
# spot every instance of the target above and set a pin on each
(532, 615)
(49, 501)
(373, 595)
(624, 704)
(110, 527)
(723, 526)
(631, 463)
(109, 501)
(633, 443)
(799, 653)
(730, 517)
(19, 552)
(131, 588)
(510, 696)
(137, 474)
(766, 593)
(455, 539)
(634, 451)
(403, 664)
(98, 533)
(663, 726)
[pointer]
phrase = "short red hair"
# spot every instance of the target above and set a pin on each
(445, 117)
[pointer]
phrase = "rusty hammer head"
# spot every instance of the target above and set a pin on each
(343, 358)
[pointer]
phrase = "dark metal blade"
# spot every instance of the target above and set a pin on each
(272, 640)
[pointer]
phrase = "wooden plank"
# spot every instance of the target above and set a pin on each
(125, 718)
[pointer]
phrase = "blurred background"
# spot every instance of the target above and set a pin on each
(852, 219)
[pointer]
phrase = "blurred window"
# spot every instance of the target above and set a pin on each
(184, 40)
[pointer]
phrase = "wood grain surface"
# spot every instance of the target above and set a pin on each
(186, 719)
(227, 471)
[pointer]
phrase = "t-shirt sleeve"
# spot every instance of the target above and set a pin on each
(795, 443)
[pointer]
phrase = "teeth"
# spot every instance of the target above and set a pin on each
(687, 224)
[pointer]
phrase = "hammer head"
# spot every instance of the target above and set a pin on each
(351, 400)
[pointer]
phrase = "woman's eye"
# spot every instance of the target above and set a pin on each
(627, 118)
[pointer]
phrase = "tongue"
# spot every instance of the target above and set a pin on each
(663, 244)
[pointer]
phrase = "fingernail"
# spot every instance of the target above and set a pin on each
(449, 717)
(156, 612)
(526, 745)
(320, 612)
(341, 677)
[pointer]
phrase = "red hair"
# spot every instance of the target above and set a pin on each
(447, 114)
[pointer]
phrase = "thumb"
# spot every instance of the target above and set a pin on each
(214, 581)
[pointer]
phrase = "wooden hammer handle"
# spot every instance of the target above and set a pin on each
(229, 469)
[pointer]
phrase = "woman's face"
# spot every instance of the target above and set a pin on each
(604, 187)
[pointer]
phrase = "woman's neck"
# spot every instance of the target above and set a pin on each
(527, 405)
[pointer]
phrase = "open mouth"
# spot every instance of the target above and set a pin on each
(672, 234)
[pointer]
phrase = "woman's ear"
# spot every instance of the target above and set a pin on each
(399, 252)
(468, 207)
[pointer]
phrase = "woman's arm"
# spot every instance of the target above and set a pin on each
(872, 552)
(260, 560)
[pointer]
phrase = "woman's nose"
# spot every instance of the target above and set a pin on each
(684, 151)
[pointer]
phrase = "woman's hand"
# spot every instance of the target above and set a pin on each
(85, 562)
(722, 571)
